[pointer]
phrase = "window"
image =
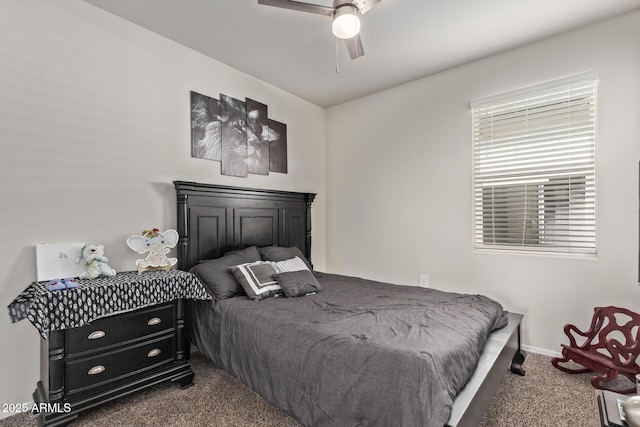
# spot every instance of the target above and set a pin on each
(534, 169)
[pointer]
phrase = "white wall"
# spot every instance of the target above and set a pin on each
(94, 127)
(399, 183)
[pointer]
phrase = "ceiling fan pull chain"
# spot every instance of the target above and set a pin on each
(337, 67)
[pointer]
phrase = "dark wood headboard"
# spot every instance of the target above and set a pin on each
(214, 219)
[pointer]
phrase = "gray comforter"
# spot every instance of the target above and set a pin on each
(359, 353)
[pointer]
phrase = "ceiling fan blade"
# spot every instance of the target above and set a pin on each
(365, 5)
(299, 6)
(354, 46)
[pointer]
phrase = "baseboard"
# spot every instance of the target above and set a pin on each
(542, 351)
(27, 405)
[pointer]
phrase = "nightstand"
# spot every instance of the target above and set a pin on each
(108, 338)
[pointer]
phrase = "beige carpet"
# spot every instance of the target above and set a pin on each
(544, 397)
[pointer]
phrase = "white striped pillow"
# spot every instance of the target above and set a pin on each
(256, 278)
(289, 265)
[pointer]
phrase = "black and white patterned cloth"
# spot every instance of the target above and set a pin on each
(101, 297)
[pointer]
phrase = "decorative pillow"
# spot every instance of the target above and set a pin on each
(298, 283)
(257, 279)
(217, 278)
(293, 264)
(281, 253)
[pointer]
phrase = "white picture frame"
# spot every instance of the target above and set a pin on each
(59, 260)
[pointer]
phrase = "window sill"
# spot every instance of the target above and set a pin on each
(531, 252)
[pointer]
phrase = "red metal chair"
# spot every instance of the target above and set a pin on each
(610, 347)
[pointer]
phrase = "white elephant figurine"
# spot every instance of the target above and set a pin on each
(158, 244)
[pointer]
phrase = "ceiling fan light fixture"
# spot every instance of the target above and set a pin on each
(346, 23)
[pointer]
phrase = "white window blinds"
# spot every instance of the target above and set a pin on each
(534, 170)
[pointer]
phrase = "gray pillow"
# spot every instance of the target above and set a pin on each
(281, 253)
(256, 278)
(216, 276)
(298, 283)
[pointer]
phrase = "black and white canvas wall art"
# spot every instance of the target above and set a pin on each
(239, 134)
(277, 147)
(257, 137)
(234, 136)
(205, 127)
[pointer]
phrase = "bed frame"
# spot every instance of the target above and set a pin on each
(214, 219)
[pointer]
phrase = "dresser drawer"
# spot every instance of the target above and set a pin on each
(119, 329)
(111, 366)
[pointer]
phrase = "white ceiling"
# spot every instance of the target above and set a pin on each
(403, 39)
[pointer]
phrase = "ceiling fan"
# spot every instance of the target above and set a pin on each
(345, 14)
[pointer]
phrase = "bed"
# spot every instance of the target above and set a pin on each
(358, 352)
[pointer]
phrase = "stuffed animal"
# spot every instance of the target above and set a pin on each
(158, 244)
(96, 262)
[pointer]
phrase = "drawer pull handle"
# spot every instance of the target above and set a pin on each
(154, 321)
(97, 370)
(95, 335)
(154, 352)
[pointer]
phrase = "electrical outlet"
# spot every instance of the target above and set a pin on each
(424, 281)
